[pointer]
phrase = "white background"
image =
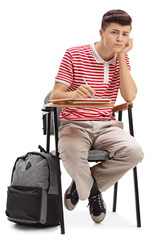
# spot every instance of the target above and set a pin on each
(34, 35)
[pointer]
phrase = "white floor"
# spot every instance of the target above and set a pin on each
(119, 225)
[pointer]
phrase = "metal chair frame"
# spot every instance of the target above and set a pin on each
(118, 109)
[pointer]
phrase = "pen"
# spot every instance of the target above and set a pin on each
(87, 84)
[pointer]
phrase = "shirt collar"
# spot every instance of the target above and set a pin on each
(100, 60)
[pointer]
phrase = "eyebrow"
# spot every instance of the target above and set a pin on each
(119, 31)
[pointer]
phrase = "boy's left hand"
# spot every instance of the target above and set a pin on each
(128, 47)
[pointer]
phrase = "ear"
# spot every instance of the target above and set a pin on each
(101, 33)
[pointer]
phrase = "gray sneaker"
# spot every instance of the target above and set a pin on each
(97, 208)
(71, 197)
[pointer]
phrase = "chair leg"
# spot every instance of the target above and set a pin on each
(60, 197)
(134, 170)
(115, 197)
(116, 184)
(59, 174)
(48, 132)
(138, 215)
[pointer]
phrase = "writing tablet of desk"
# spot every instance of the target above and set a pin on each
(72, 105)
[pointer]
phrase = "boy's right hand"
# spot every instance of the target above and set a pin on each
(84, 91)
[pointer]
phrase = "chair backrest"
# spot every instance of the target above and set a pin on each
(45, 117)
(47, 97)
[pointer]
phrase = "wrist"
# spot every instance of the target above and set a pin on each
(121, 58)
(121, 55)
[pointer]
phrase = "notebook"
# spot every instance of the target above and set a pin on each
(81, 100)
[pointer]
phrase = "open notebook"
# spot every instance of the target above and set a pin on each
(81, 100)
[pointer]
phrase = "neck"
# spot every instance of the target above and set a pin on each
(104, 53)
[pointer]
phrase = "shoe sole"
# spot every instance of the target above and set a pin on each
(67, 202)
(100, 218)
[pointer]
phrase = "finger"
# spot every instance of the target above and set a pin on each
(87, 90)
(77, 95)
(127, 48)
(81, 93)
(90, 90)
(131, 42)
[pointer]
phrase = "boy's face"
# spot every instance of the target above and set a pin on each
(115, 37)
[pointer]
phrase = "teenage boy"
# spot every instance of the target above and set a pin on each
(105, 66)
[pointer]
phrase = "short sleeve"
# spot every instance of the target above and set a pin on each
(65, 72)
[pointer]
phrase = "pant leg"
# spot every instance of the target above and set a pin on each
(125, 153)
(73, 146)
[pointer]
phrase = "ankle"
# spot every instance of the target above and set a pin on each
(94, 190)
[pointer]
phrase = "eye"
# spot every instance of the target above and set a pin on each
(125, 34)
(114, 32)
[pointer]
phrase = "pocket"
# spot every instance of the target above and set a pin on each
(24, 203)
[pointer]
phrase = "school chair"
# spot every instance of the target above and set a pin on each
(51, 118)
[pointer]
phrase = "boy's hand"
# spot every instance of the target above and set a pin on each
(84, 91)
(128, 47)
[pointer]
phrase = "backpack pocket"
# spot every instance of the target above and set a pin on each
(24, 203)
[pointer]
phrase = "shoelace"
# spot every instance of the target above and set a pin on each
(96, 203)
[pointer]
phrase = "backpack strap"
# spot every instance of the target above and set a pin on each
(53, 185)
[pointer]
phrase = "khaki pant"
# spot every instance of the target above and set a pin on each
(75, 140)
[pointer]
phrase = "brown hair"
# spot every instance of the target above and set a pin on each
(116, 16)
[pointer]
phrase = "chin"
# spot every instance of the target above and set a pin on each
(117, 50)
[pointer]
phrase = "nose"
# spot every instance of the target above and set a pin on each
(119, 38)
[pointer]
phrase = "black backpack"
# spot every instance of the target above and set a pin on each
(32, 197)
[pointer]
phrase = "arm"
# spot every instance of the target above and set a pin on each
(66, 74)
(60, 91)
(128, 87)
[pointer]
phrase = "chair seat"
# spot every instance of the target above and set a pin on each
(94, 155)
(98, 155)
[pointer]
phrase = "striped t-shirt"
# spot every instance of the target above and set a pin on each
(104, 77)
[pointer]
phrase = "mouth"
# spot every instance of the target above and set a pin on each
(118, 45)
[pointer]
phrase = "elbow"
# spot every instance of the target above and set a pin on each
(129, 97)
(53, 95)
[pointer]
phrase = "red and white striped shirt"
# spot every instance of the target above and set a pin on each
(104, 77)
